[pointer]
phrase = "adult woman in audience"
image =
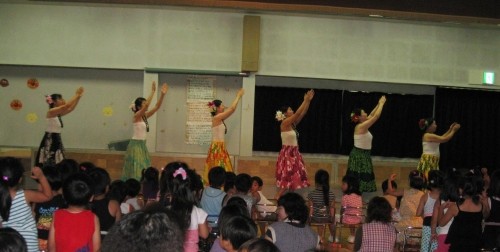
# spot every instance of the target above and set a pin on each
(137, 156)
(291, 232)
(378, 233)
(430, 144)
(217, 153)
(290, 168)
(360, 162)
(51, 150)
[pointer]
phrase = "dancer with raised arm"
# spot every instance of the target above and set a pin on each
(137, 157)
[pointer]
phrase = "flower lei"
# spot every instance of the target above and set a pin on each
(211, 107)
(49, 100)
(354, 117)
(280, 116)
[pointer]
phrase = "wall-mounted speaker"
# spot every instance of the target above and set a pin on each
(251, 44)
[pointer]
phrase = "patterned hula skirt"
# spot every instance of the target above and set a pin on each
(217, 156)
(290, 169)
(360, 166)
(427, 163)
(136, 159)
(51, 150)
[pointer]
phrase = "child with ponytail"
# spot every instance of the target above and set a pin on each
(321, 202)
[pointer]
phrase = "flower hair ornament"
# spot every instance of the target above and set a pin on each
(181, 172)
(211, 107)
(423, 124)
(5, 178)
(354, 117)
(49, 100)
(280, 116)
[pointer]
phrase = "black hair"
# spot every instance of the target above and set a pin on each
(54, 98)
(385, 185)
(151, 176)
(77, 189)
(243, 182)
(154, 228)
(217, 104)
(322, 178)
(11, 172)
(12, 241)
(435, 179)
(67, 167)
(216, 177)
(230, 180)
(133, 187)
(416, 180)
(86, 166)
(494, 189)
(295, 207)
(237, 230)
(471, 186)
(258, 245)
(450, 188)
(258, 180)
(237, 201)
(379, 209)
(352, 184)
(101, 180)
(53, 175)
(356, 114)
(166, 177)
(117, 191)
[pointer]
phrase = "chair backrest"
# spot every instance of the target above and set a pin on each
(347, 212)
(267, 211)
(412, 237)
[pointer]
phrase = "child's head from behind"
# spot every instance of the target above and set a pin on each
(101, 180)
(12, 241)
(236, 231)
(416, 180)
(257, 184)
(230, 181)
(258, 245)
(216, 177)
(117, 191)
(133, 187)
(292, 206)
(150, 174)
(385, 185)
(350, 184)
(379, 210)
(54, 177)
(77, 190)
(435, 179)
(243, 182)
(11, 172)
(322, 178)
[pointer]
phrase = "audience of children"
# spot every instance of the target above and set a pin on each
(321, 202)
(133, 198)
(264, 207)
(449, 193)
(377, 234)
(425, 209)
(236, 231)
(15, 210)
(75, 228)
(291, 232)
(352, 204)
(235, 206)
(243, 183)
(118, 192)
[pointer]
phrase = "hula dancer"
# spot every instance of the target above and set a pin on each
(360, 160)
(217, 153)
(137, 156)
(51, 150)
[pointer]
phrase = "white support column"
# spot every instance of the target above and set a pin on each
(247, 103)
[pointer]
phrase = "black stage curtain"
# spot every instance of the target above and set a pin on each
(319, 130)
(327, 127)
(396, 133)
(478, 140)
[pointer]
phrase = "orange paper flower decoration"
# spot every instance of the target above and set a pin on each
(33, 83)
(16, 104)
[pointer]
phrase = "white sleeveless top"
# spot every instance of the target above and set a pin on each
(289, 138)
(363, 141)
(53, 125)
(139, 131)
(218, 133)
(431, 148)
(429, 206)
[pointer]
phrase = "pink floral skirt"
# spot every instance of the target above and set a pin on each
(290, 169)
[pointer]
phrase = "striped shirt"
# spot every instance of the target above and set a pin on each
(318, 202)
(22, 221)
